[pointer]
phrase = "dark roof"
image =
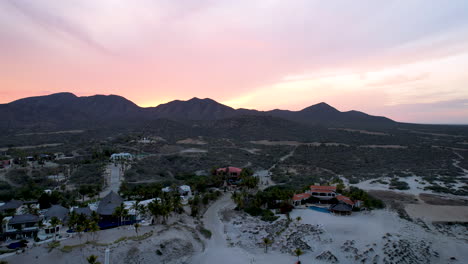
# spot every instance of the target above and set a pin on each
(83, 210)
(26, 218)
(57, 211)
(108, 204)
(341, 207)
(13, 204)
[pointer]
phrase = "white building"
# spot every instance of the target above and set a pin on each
(121, 156)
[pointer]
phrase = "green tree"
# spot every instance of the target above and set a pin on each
(137, 226)
(155, 209)
(93, 227)
(267, 242)
(93, 259)
(298, 252)
(72, 220)
(120, 212)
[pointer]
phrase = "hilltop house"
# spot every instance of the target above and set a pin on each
(232, 174)
(121, 156)
(229, 171)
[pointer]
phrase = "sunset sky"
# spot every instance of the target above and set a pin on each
(405, 59)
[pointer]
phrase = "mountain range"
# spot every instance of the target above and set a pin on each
(66, 110)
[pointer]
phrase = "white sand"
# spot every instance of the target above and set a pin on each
(437, 213)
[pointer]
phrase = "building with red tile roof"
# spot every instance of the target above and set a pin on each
(322, 192)
(345, 199)
(231, 171)
(298, 198)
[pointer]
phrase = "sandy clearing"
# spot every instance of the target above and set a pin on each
(435, 134)
(192, 141)
(438, 213)
(384, 146)
(30, 147)
(362, 131)
(296, 143)
(415, 183)
(77, 131)
(194, 150)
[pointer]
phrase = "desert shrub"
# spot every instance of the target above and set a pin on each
(400, 185)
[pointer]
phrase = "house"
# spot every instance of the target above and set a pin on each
(5, 163)
(11, 207)
(83, 211)
(184, 190)
(106, 209)
(341, 209)
(345, 199)
(229, 171)
(20, 226)
(58, 211)
(298, 198)
(322, 192)
(166, 189)
(121, 156)
(233, 174)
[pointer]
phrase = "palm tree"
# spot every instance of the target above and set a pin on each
(95, 216)
(267, 242)
(119, 212)
(93, 259)
(54, 222)
(177, 204)
(93, 227)
(298, 252)
(72, 220)
(80, 228)
(155, 208)
(30, 209)
(136, 225)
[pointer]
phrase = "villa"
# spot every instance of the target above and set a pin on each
(322, 192)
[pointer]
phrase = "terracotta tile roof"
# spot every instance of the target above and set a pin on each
(301, 196)
(231, 169)
(345, 199)
(322, 191)
(319, 188)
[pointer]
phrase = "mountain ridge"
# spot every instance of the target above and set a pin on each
(65, 108)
